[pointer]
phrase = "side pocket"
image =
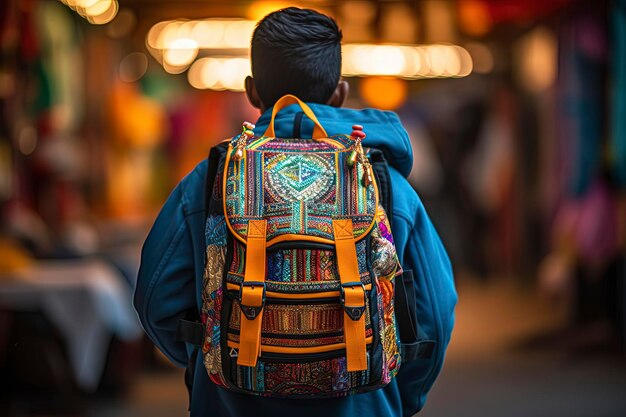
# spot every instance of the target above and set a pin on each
(413, 341)
(213, 296)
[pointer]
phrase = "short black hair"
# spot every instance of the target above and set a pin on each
(296, 51)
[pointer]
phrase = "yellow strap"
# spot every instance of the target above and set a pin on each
(252, 295)
(284, 101)
(354, 296)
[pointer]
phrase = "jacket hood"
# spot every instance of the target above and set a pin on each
(383, 129)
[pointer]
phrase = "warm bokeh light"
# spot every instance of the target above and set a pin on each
(259, 9)
(406, 61)
(401, 61)
(436, 60)
(466, 63)
(386, 60)
(238, 33)
(97, 12)
(172, 43)
(219, 73)
(85, 3)
(96, 8)
(385, 93)
(176, 44)
(174, 69)
(234, 72)
(106, 16)
(536, 55)
(180, 52)
(207, 33)
(474, 17)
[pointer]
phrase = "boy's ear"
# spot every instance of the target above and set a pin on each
(340, 94)
(253, 95)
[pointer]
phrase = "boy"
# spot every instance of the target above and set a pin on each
(298, 52)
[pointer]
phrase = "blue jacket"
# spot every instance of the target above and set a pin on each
(170, 278)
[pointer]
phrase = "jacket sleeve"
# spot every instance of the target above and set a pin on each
(165, 288)
(436, 298)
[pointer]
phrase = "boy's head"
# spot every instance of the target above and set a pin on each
(296, 51)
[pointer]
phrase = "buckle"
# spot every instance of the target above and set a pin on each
(251, 312)
(354, 312)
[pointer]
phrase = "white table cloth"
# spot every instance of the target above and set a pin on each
(86, 299)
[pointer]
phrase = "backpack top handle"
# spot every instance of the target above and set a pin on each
(286, 100)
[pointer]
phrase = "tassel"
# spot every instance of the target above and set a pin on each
(367, 176)
(246, 134)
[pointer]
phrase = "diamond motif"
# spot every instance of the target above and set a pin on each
(299, 177)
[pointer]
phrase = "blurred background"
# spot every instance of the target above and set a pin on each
(517, 114)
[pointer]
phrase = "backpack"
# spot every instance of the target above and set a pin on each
(300, 288)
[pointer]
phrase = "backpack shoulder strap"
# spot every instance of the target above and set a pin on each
(215, 160)
(383, 179)
(412, 343)
(190, 329)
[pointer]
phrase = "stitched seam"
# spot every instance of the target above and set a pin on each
(155, 278)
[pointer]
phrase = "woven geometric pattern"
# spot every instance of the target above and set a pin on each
(298, 178)
(306, 379)
(309, 319)
(299, 187)
(299, 270)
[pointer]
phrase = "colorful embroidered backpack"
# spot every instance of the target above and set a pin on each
(298, 292)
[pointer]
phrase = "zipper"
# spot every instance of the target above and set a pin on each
(301, 244)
